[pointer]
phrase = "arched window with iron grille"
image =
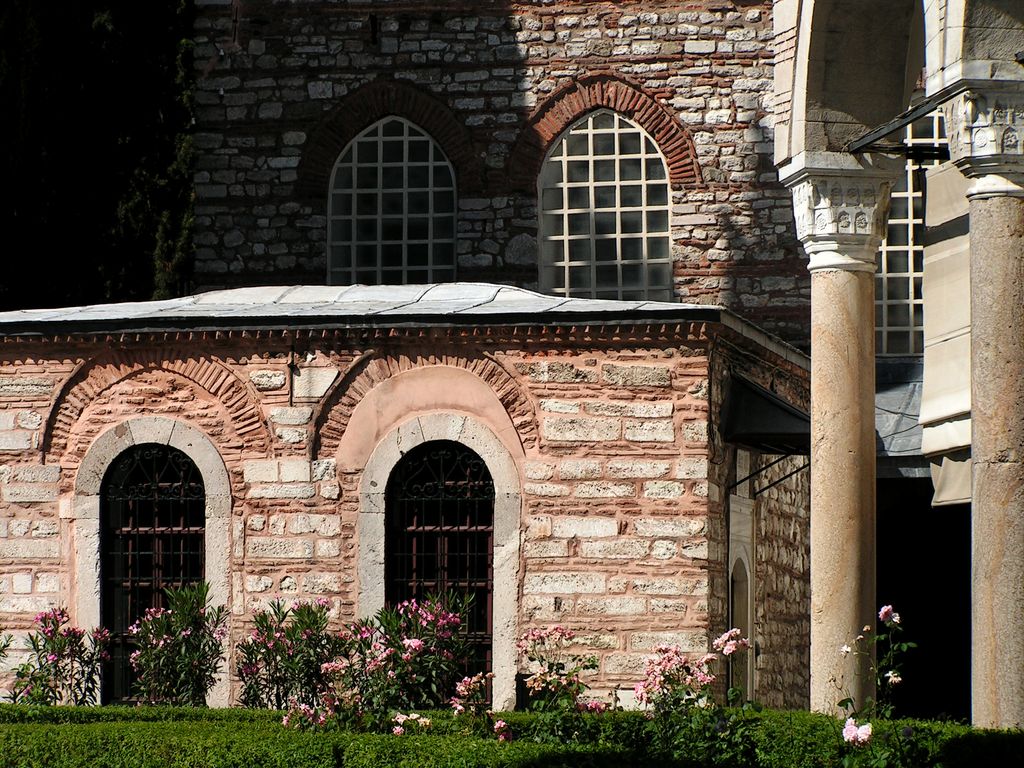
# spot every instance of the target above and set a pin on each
(439, 534)
(152, 536)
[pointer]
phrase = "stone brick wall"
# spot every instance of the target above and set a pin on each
(609, 429)
(781, 535)
(283, 88)
(783, 591)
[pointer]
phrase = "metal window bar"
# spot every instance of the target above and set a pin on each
(605, 202)
(899, 303)
(439, 535)
(152, 537)
(392, 209)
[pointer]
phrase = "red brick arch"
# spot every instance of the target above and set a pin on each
(575, 99)
(96, 376)
(367, 372)
(364, 107)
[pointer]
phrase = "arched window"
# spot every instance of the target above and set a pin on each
(604, 224)
(392, 209)
(439, 534)
(152, 536)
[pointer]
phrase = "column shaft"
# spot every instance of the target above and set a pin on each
(997, 450)
(842, 482)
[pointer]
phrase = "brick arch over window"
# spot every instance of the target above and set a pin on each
(99, 374)
(366, 106)
(587, 94)
(333, 417)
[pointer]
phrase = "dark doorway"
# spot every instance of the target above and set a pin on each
(439, 535)
(152, 536)
(924, 572)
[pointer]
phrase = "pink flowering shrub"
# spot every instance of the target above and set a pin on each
(555, 682)
(179, 649)
(406, 657)
(64, 663)
(882, 652)
(471, 696)
(672, 680)
(281, 659)
(303, 717)
(411, 723)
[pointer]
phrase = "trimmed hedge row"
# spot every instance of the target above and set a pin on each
(152, 737)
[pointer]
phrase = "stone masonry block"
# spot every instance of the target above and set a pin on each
(323, 525)
(25, 386)
(290, 491)
(312, 383)
(660, 431)
(267, 380)
(547, 548)
(630, 468)
(48, 582)
(689, 642)
(15, 440)
(30, 419)
(564, 583)
(33, 473)
(291, 435)
(554, 372)
(545, 489)
(636, 375)
(293, 416)
(27, 605)
(294, 471)
(581, 430)
(669, 528)
(580, 469)
(692, 469)
(663, 489)
(21, 583)
(559, 406)
(279, 549)
(618, 549)
(29, 549)
(584, 527)
(26, 493)
(258, 583)
(325, 469)
(696, 432)
(602, 489)
(260, 471)
(611, 606)
(538, 470)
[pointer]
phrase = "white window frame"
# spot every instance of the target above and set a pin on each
(440, 264)
(551, 239)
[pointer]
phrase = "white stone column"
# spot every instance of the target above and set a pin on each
(986, 130)
(840, 208)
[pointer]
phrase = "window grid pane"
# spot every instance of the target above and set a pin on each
(899, 305)
(392, 209)
(604, 224)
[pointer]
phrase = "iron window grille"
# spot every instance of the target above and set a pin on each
(152, 537)
(439, 535)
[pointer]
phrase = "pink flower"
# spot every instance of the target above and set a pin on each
(413, 644)
(398, 730)
(886, 613)
(856, 735)
(731, 642)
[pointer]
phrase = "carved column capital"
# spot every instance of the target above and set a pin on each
(985, 130)
(840, 215)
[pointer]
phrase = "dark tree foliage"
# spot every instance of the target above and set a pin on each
(95, 109)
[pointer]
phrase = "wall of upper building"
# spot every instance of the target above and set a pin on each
(284, 90)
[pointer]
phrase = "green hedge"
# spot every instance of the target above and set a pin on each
(152, 737)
